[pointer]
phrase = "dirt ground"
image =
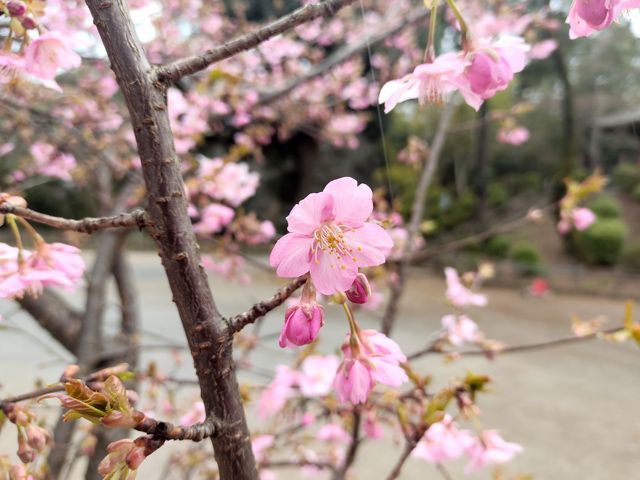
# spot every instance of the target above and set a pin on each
(574, 409)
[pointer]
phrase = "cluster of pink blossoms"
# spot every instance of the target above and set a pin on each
(458, 327)
(588, 16)
(330, 238)
(580, 218)
(444, 441)
(478, 74)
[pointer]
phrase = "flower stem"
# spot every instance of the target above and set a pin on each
(464, 29)
(11, 221)
(430, 51)
(37, 238)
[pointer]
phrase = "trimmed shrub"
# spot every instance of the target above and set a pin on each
(602, 242)
(630, 259)
(527, 259)
(635, 194)
(626, 176)
(605, 206)
(498, 246)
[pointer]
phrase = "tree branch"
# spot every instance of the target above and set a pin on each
(417, 214)
(260, 309)
(137, 218)
(180, 68)
(527, 347)
(167, 431)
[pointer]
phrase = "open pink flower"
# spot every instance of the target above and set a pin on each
(458, 294)
(370, 358)
(490, 449)
(430, 82)
(443, 441)
(492, 66)
(214, 218)
(316, 375)
(588, 16)
(48, 53)
(460, 329)
(329, 236)
(583, 218)
(513, 136)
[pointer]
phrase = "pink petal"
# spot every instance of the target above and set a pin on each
(353, 203)
(291, 255)
(388, 374)
(310, 213)
(330, 275)
(371, 244)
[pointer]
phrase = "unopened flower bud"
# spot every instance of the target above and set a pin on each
(25, 453)
(71, 371)
(301, 325)
(16, 8)
(118, 419)
(37, 437)
(28, 22)
(360, 290)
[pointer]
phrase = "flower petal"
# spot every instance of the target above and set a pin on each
(310, 213)
(291, 255)
(371, 244)
(353, 203)
(330, 275)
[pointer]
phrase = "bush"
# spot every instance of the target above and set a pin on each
(631, 257)
(527, 258)
(626, 176)
(498, 246)
(497, 194)
(605, 206)
(602, 242)
(635, 194)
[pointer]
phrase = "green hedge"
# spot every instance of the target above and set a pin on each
(527, 258)
(605, 206)
(602, 243)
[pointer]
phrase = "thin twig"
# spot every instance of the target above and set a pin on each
(260, 309)
(174, 71)
(136, 218)
(527, 347)
(168, 431)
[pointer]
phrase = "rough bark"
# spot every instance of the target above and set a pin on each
(206, 330)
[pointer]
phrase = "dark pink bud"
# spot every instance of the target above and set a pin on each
(26, 454)
(135, 458)
(301, 325)
(37, 437)
(16, 8)
(360, 290)
(28, 23)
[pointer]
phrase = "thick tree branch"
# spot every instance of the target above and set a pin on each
(174, 71)
(136, 218)
(167, 431)
(260, 309)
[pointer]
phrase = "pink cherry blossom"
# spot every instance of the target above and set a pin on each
(275, 396)
(370, 358)
(542, 50)
(214, 218)
(493, 65)
(513, 136)
(583, 218)
(443, 441)
(260, 445)
(316, 375)
(334, 433)
(588, 16)
(371, 426)
(196, 414)
(490, 449)
(48, 53)
(458, 294)
(460, 329)
(329, 236)
(431, 82)
(232, 183)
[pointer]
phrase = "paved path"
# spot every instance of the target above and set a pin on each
(574, 408)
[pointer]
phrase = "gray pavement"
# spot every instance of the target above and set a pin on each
(574, 408)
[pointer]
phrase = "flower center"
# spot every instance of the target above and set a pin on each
(330, 239)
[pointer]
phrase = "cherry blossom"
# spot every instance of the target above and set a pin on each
(490, 449)
(581, 218)
(330, 238)
(443, 441)
(48, 53)
(214, 218)
(301, 325)
(513, 136)
(316, 375)
(360, 290)
(460, 329)
(458, 294)
(196, 414)
(370, 357)
(333, 433)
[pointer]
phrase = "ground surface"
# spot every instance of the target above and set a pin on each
(574, 409)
